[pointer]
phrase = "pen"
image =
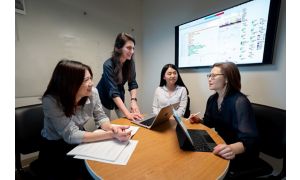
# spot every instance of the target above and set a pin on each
(194, 115)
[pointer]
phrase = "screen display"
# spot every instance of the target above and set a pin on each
(181, 124)
(238, 34)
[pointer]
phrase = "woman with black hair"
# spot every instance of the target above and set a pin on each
(170, 91)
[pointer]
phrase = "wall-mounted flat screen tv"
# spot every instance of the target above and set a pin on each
(243, 34)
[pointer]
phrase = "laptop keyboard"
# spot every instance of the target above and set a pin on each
(200, 143)
(148, 122)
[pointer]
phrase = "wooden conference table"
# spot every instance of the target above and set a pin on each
(158, 156)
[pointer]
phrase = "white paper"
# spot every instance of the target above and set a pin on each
(106, 150)
(133, 129)
(122, 159)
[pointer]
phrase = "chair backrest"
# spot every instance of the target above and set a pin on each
(187, 112)
(271, 124)
(29, 121)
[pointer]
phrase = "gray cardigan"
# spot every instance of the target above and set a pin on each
(58, 126)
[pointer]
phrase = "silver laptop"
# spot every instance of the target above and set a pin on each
(153, 120)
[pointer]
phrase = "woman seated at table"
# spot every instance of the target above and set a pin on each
(229, 111)
(170, 91)
(68, 103)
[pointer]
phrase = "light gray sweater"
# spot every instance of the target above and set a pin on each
(58, 126)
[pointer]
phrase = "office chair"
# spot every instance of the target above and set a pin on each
(29, 121)
(271, 125)
(187, 112)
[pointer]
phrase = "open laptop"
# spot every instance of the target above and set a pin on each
(153, 120)
(193, 139)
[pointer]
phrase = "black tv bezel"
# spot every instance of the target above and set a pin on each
(271, 31)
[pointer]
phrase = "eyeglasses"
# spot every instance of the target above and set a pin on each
(211, 75)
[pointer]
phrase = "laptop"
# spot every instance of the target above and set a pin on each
(193, 139)
(153, 120)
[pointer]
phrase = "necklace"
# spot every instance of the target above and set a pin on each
(219, 102)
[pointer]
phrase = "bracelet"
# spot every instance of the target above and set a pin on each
(135, 99)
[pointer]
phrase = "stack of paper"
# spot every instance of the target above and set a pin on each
(121, 159)
(108, 151)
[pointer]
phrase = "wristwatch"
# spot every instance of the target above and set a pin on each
(133, 99)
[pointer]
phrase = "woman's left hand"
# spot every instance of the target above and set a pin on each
(225, 151)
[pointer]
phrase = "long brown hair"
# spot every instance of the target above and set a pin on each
(122, 72)
(232, 74)
(65, 82)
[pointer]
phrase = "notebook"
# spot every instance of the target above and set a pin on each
(193, 139)
(153, 120)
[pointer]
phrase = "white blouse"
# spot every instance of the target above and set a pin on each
(162, 98)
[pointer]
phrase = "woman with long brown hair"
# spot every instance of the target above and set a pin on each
(230, 112)
(118, 70)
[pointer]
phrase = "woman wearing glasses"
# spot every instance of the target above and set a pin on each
(229, 111)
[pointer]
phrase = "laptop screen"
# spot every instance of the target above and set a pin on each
(183, 127)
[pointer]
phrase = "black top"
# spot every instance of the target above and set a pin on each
(109, 89)
(234, 121)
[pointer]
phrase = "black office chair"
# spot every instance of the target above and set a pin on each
(271, 125)
(29, 121)
(187, 112)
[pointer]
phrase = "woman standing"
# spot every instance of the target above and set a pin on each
(118, 70)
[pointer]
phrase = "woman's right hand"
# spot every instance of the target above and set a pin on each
(194, 119)
(123, 135)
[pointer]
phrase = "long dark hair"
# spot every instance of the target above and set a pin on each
(65, 82)
(179, 81)
(122, 72)
(232, 73)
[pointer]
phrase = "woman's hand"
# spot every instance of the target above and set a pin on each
(225, 151)
(134, 116)
(121, 132)
(134, 108)
(194, 118)
(123, 136)
(119, 128)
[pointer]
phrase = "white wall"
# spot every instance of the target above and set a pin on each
(56, 29)
(264, 84)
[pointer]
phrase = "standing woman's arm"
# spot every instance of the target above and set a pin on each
(132, 88)
(133, 101)
(118, 101)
